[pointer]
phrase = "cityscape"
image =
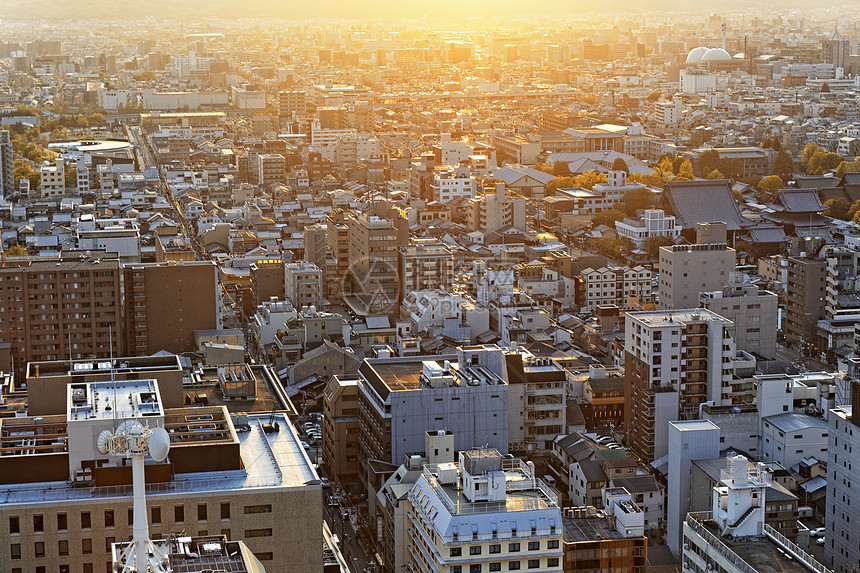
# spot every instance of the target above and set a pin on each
(356, 287)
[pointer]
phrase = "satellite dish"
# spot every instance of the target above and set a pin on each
(159, 444)
(103, 441)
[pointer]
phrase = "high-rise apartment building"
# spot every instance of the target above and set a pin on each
(753, 312)
(425, 265)
(685, 271)
(674, 361)
(805, 292)
(291, 105)
(7, 173)
(372, 278)
(841, 551)
(59, 309)
(165, 303)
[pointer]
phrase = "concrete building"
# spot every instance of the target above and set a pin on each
(733, 536)
(401, 398)
(340, 428)
(120, 236)
(52, 181)
(688, 441)
(492, 211)
(654, 223)
(372, 281)
(60, 326)
(669, 112)
(452, 184)
(789, 437)
(65, 505)
(7, 173)
(804, 300)
(426, 265)
(303, 284)
(291, 105)
(685, 271)
(674, 362)
(485, 512)
(754, 313)
(165, 303)
(612, 286)
(248, 97)
(271, 168)
(611, 539)
(841, 552)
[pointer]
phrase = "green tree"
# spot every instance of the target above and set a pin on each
(559, 183)
(589, 179)
(561, 169)
(837, 208)
(825, 88)
(708, 161)
(822, 162)
(715, 174)
(809, 150)
(652, 245)
(544, 168)
(783, 164)
(147, 76)
(771, 183)
(607, 217)
(637, 200)
(855, 208)
(16, 251)
(771, 143)
(620, 165)
(22, 170)
(654, 96)
(685, 171)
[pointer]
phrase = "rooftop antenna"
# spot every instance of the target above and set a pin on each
(135, 441)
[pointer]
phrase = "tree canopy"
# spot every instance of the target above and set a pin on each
(561, 169)
(607, 217)
(771, 183)
(837, 208)
(620, 165)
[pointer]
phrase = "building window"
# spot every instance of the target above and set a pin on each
(16, 550)
(40, 549)
(456, 569)
(109, 521)
(87, 546)
(552, 544)
(249, 509)
(552, 562)
(225, 510)
(63, 546)
(155, 511)
(108, 543)
(258, 533)
(495, 566)
(496, 548)
(456, 551)
(38, 524)
(534, 563)
(513, 547)
(14, 524)
(179, 514)
(62, 522)
(474, 550)
(130, 516)
(513, 565)
(88, 568)
(202, 512)
(534, 545)
(64, 569)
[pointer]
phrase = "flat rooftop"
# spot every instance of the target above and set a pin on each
(592, 527)
(120, 399)
(270, 460)
(200, 554)
(675, 317)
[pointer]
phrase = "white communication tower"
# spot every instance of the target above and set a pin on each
(134, 440)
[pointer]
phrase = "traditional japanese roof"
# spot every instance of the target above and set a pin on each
(801, 201)
(709, 201)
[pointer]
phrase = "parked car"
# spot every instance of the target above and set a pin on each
(324, 481)
(820, 540)
(817, 532)
(306, 445)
